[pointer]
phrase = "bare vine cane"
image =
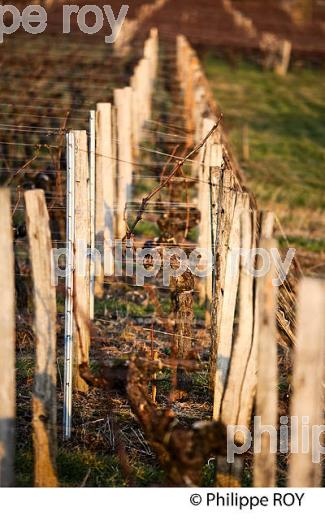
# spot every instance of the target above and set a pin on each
(164, 182)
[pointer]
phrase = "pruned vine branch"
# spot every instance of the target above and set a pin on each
(164, 182)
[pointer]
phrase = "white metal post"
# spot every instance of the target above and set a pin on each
(69, 316)
(92, 207)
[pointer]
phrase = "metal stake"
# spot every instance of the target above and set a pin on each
(69, 318)
(92, 204)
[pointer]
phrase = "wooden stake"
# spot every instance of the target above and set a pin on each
(105, 171)
(205, 287)
(308, 378)
(99, 204)
(216, 163)
(225, 326)
(282, 68)
(241, 351)
(44, 395)
(123, 103)
(238, 398)
(249, 389)
(225, 210)
(246, 148)
(92, 209)
(146, 91)
(267, 376)
(142, 109)
(213, 185)
(81, 272)
(155, 51)
(230, 474)
(136, 100)
(8, 347)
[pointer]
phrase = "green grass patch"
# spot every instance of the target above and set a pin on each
(143, 186)
(123, 308)
(285, 121)
(25, 367)
(199, 311)
(147, 229)
(193, 234)
(24, 468)
(103, 470)
(307, 244)
(83, 467)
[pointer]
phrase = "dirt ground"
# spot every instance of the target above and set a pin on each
(302, 22)
(189, 16)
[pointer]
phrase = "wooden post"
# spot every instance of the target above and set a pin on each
(241, 352)
(225, 326)
(8, 347)
(265, 232)
(155, 52)
(136, 101)
(130, 27)
(246, 148)
(308, 377)
(235, 388)
(182, 289)
(267, 376)
(212, 186)
(146, 91)
(44, 394)
(216, 163)
(205, 287)
(99, 226)
(123, 103)
(100, 213)
(105, 172)
(236, 402)
(237, 408)
(199, 108)
(81, 270)
(141, 110)
(189, 94)
(115, 162)
(226, 208)
(149, 54)
(186, 72)
(180, 41)
(282, 67)
(142, 94)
